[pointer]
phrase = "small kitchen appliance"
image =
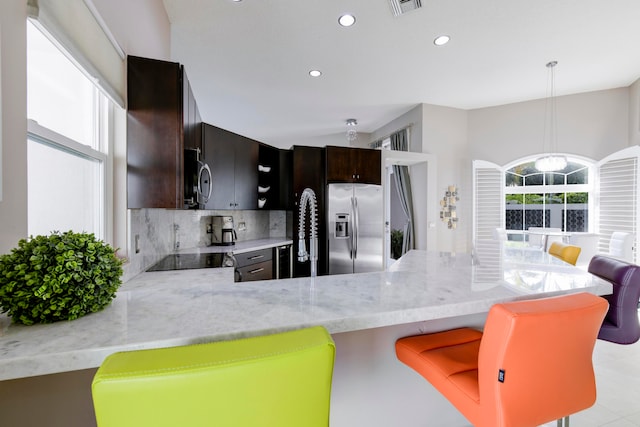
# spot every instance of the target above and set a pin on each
(223, 232)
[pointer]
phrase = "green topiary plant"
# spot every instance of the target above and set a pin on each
(58, 277)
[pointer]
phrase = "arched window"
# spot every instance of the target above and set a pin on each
(598, 197)
(560, 200)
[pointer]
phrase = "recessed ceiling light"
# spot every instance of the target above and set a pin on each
(315, 73)
(347, 20)
(441, 40)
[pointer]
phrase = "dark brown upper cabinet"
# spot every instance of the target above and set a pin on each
(346, 164)
(163, 129)
(233, 160)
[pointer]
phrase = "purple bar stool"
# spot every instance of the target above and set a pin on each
(621, 323)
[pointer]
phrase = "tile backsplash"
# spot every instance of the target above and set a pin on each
(163, 231)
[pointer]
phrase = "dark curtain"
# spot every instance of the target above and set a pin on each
(403, 185)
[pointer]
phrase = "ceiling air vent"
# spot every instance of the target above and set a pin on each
(403, 6)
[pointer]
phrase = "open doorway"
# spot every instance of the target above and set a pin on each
(423, 180)
(397, 219)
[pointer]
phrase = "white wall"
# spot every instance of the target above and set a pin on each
(592, 124)
(634, 113)
(444, 134)
(141, 27)
(64, 399)
(412, 118)
(423, 187)
(13, 207)
(337, 139)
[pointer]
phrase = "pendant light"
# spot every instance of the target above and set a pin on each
(553, 161)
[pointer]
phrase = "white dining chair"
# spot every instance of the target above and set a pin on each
(500, 234)
(538, 238)
(621, 246)
(588, 243)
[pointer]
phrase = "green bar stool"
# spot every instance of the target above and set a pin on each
(278, 380)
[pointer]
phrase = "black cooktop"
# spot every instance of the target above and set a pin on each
(192, 261)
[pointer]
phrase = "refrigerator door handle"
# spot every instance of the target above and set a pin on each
(353, 231)
(356, 214)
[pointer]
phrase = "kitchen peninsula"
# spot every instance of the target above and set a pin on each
(421, 292)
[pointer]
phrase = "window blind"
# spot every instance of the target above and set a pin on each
(618, 199)
(74, 26)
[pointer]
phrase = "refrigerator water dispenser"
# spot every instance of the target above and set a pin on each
(342, 225)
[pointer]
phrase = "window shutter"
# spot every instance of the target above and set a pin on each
(617, 196)
(488, 214)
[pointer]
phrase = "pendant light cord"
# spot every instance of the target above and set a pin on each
(550, 122)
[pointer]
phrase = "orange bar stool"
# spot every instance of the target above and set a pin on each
(274, 380)
(567, 253)
(531, 365)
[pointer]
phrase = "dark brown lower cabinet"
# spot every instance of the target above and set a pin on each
(254, 265)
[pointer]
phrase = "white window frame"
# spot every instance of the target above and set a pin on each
(103, 141)
(588, 188)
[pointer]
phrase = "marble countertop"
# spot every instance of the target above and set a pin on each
(172, 308)
(240, 247)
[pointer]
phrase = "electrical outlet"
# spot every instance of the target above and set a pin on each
(242, 226)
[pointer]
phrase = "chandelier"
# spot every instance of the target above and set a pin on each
(352, 133)
(550, 162)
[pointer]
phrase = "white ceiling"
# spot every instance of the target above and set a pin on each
(248, 61)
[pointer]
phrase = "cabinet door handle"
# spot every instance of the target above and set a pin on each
(257, 270)
(256, 257)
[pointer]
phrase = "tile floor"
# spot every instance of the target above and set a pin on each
(617, 370)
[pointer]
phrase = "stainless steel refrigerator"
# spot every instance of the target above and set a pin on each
(354, 228)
